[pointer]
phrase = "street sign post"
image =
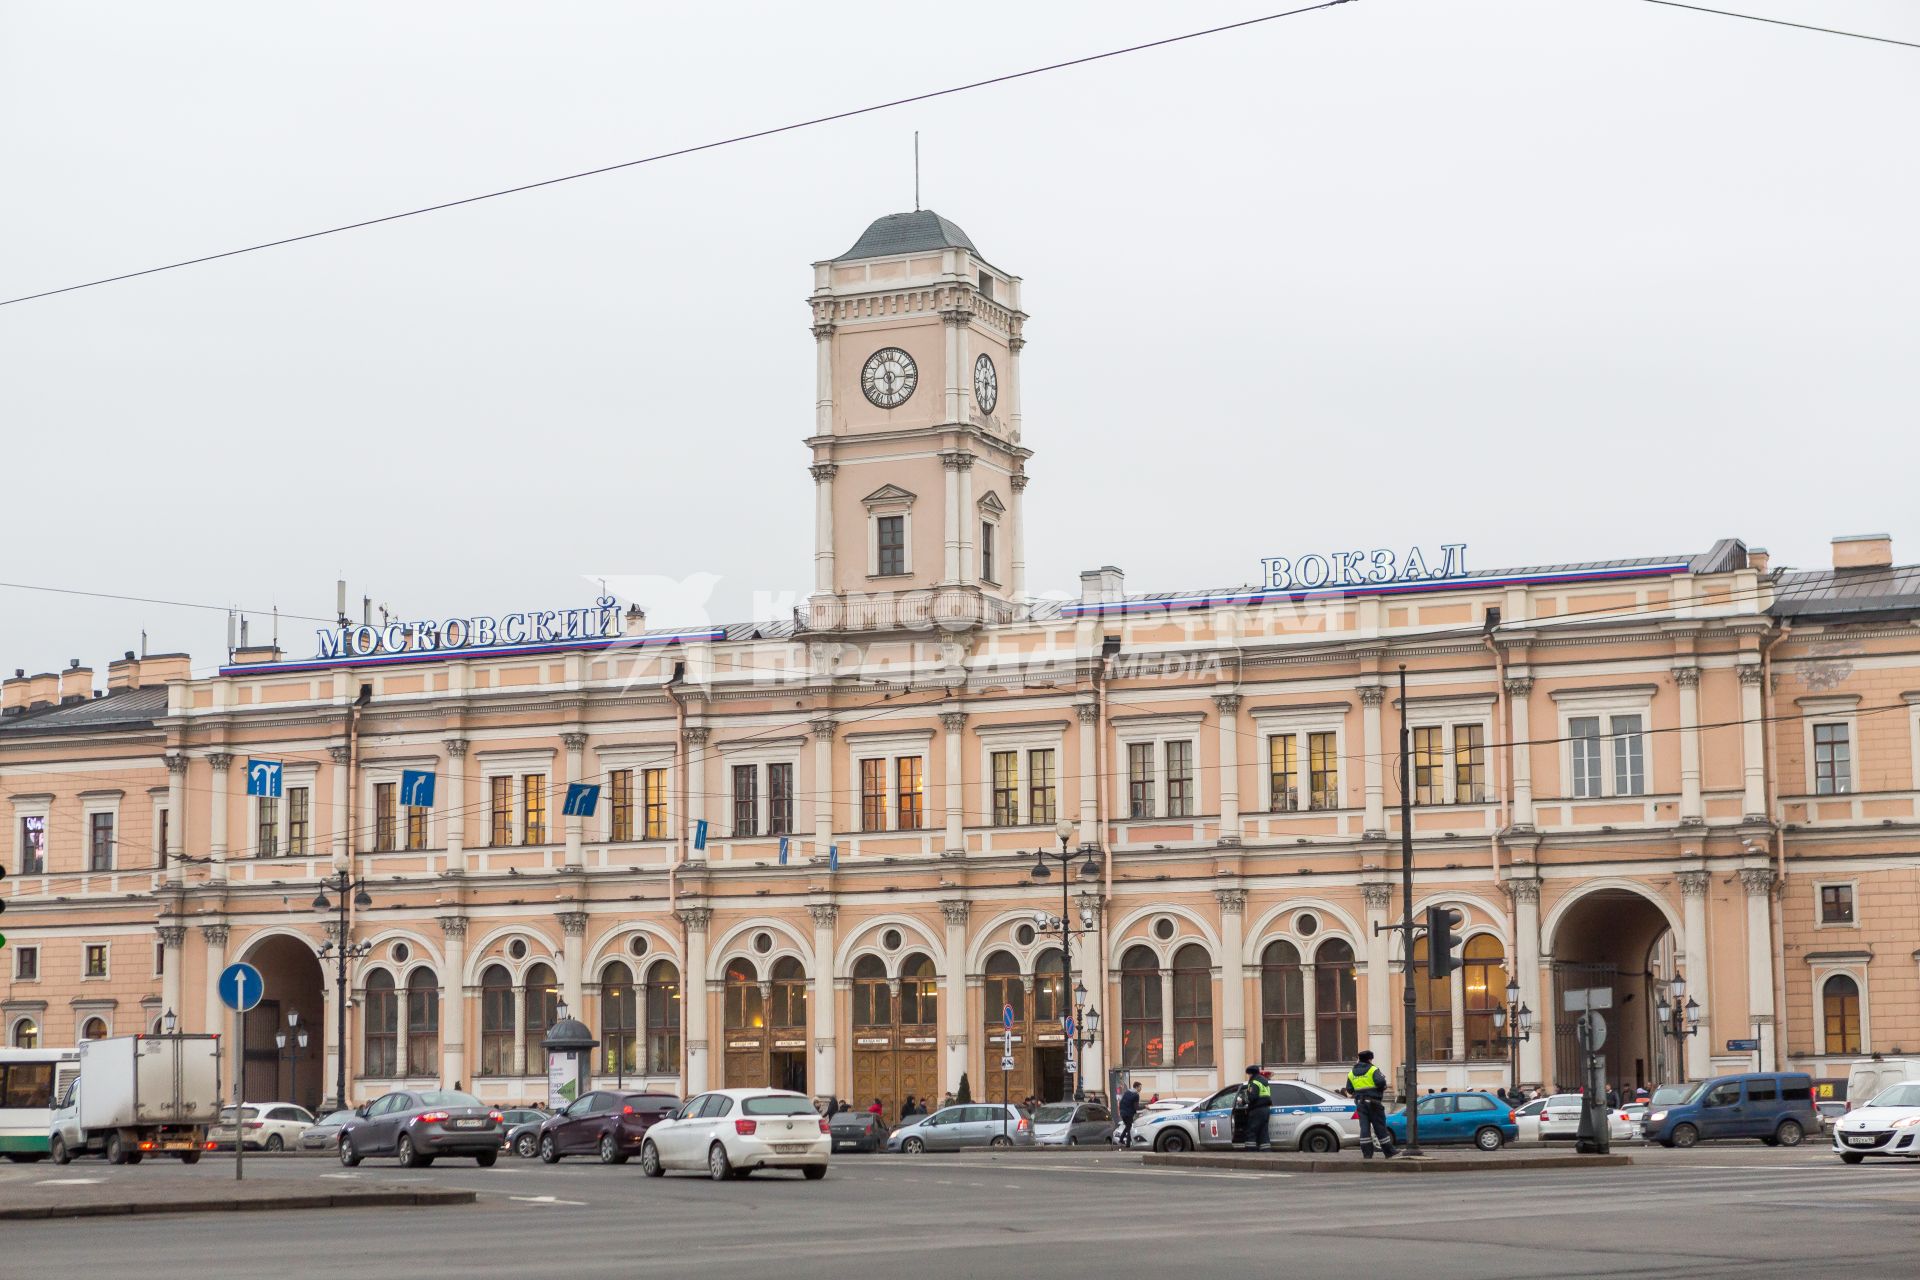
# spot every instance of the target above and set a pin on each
(1581, 999)
(1743, 1046)
(263, 778)
(416, 788)
(1006, 1065)
(241, 988)
(1595, 1133)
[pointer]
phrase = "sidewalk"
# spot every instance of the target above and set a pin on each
(1439, 1161)
(119, 1196)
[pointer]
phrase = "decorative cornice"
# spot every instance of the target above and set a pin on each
(456, 748)
(955, 910)
(338, 754)
(221, 761)
(697, 918)
(1522, 889)
(576, 741)
(1087, 711)
(216, 934)
(454, 928)
(176, 763)
(698, 734)
(1694, 884)
(825, 914)
(1757, 880)
(573, 923)
(1227, 703)
(1687, 677)
(1750, 674)
(823, 329)
(1378, 893)
(1232, 901)
(172, 935)
(824, 728)
(824, 470)
(1019, 481)
(953, 721)
(1519, 686)
(1372, 695)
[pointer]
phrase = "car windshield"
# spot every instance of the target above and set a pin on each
(851, 1119)
(448, 1098)
(1054, 1113)
(338, 1117)
(779, 1106)
(1564, 1100)
(1668, 1094)
(1901, 1095)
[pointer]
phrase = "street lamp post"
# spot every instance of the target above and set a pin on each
(1679, 1020)
(292, 1057)
(1512, 1024)
(343, 953)
(1062, 924)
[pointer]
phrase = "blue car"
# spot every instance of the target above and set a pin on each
(1479, 1118)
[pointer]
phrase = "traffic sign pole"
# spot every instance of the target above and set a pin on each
(239, 1091)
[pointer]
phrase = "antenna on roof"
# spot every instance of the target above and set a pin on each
(916, 171)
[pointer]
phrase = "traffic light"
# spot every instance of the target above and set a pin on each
(1441, 940)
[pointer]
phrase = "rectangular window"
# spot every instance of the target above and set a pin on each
(533, 808)
(1042, 793)
(417, 826)
(385, 816)
(1832, 760)
(873, 795)
(987, 530)
(746, 800)
(1006, 788)
(779, 799)
(96, 960)
(99, 842)
(892, 534)
(1283, 773)
(160, 860)
(500, 797)
(912, 795)
(1584, 735)
(1629, 757)
(26, 964)
(159, 959)
(620, 804)
(1836, 904)
(1179, 779)
(1469, 764)
(655, 781)
(266, 827)
(1323, 770)
(1140, 779)
(33, 845)
(299, 821)
(1429, 766)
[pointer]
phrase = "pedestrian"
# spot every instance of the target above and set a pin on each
(1129, 1108)
(1501, 1093)
(1613, 1098)
(906, 1108)
(876, 1109)
(1259, 1095)
(1367, 1084)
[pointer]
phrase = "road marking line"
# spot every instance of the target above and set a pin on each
(547, 1200)
(68, 1182)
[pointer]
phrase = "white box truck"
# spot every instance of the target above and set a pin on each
(140, 1094)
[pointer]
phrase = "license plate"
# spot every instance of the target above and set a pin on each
(789, 1148)
(1860, 1139)
(469, 1124)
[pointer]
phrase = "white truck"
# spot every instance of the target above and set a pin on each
(140, 1094)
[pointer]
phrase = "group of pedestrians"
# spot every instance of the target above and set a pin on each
(909, 1107)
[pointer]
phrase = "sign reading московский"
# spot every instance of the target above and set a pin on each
(1362, 568)
(601, 622)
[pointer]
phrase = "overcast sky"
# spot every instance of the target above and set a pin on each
(1560, 279)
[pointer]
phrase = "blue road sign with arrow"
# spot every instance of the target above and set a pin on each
(700, 833)
(263, 778)
(582, 799)
(416, 788)
(241, 986)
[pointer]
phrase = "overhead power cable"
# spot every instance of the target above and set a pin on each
(1782, 22)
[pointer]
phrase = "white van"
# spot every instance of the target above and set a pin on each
(1870, 1075)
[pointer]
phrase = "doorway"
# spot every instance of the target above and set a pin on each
(1050, 1072)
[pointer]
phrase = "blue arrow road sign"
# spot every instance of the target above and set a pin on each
(416, 788)
(700, 833)
(241, 986)
(582, 799)
(263, 778)
(783, 851)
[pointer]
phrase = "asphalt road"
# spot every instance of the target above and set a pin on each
(1748, 1211)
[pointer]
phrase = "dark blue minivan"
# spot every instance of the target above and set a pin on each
(1775, 1107)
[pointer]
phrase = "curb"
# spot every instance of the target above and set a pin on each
(1396, 1165)
(310, 1200)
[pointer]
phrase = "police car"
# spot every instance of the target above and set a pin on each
(1305, 1118)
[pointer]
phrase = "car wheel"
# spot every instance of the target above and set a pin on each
(549, 1153)
(1319, 1142)
(815, 1172)
(719, 1168)
(404, 1152)
(1488, 1139)
(650, 1161)
(189, 1157)
(913, 1146)
(116, 1149)
(1174, 1141)
(1684, 1135)
(276, 1143)
(610, 1152)
(1789, 1133)
(135, 1156)
(1072, 1141)
(58, 1150)
(1851, 1157)
(348, 1156)
(486, 1158)
(527, 1147)
(1000, 1140)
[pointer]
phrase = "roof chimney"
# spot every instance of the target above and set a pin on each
(1758, 560)
(158, 668)
(43, 690)
(636, 620)
(123, 673)
(1105, 585)
(13, 694)
(1863, 551)
(76, 682)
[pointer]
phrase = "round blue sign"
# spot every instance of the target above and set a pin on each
(1006, 1016)
(241, 986)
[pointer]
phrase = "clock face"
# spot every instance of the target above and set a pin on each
(889, 377)
(986, 384)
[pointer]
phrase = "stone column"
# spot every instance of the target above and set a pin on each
(1372, 733)
(217, 815)
(697, 737)
(969, 520)
(211, 1019)
(954, 723)
(1693, 891)
(1093, 1066)
(823, 374)
(573, 958)
(1380, 1006)
(958, 373)
(1525, 892)
(1011, 392)
(456, 818)
(823, 786)
(823, 566)
(1228, 707)
(517, 1059)
(1310, 1010)
(693, 990)
(342, 849)
(176, 818)
(1758, 882)
(1687, 681)
(826, 1066)
(1016, 518)
(1753, 745)
(453, 1004)
(1089, 714)
(951, 568)
(173, 938)
(576, 745)
(1167, 1046)
(1233, 980)
(1519, 688)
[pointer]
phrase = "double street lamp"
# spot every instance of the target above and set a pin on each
(1085, 1022)
(291, 1057)
(1512, 1024)
(343, 953)
(1679, 1020)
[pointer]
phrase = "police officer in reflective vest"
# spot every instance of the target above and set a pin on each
(1368, 1086)
(1259, 1098)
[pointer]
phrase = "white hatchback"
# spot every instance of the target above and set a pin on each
(729, 1133)
(1889, 1125)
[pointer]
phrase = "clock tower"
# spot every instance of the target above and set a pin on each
(917, 462)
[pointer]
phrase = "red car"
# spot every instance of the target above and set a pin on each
(603, 1123)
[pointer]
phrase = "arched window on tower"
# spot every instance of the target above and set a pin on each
(496, 1021)
(1336, 1002)
(382, 1026)
(540, 1009)
(789, 995)
(663, 1019)
(872, 1001)
(745, 1010)
(1142, 1042)
(1283, 1016)
(619, 1023)
(1485, 975)
(1004, 989)
(1049, 988)
(1192, 1007)
(423, 1023)
(919, 992)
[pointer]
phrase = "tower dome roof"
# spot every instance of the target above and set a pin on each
(912, 232)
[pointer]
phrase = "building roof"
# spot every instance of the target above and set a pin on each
(121, 709)
(1856, 593)
(914, 232)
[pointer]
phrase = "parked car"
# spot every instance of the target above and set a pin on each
(1147, 1111)
(264, 1126)
(1069, 1124)
(514, 1117)
(1668, 1094)
(1527, 1119)
(1635, 1114)
(1560, 1120)
(858, 1131)
(1479, 1118)
(1305, 1117)
(418, 1127)
(604, 1123)
(523, 1136)
(733, 1132)
(324, 1132)
(1775, 1107)
(974, 1125)
(1887, 1125)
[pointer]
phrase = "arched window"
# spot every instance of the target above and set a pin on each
(1283, 1013)
(872, 1001)
(789, 995)
(26, 1034)
(1434, 1021)
(1003, 988)
(496, 1021)
(1049, 987)
(1192, 1007)
(1840, 1007)
(1336, 1002)
(663, 1019)
(1485, 974)
(919, 992)
(619, 1006)
(746, 1011)
(1142, 1042)
(382, 1024)
(423, 1023)
(94, 1029)
(539, 1010)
